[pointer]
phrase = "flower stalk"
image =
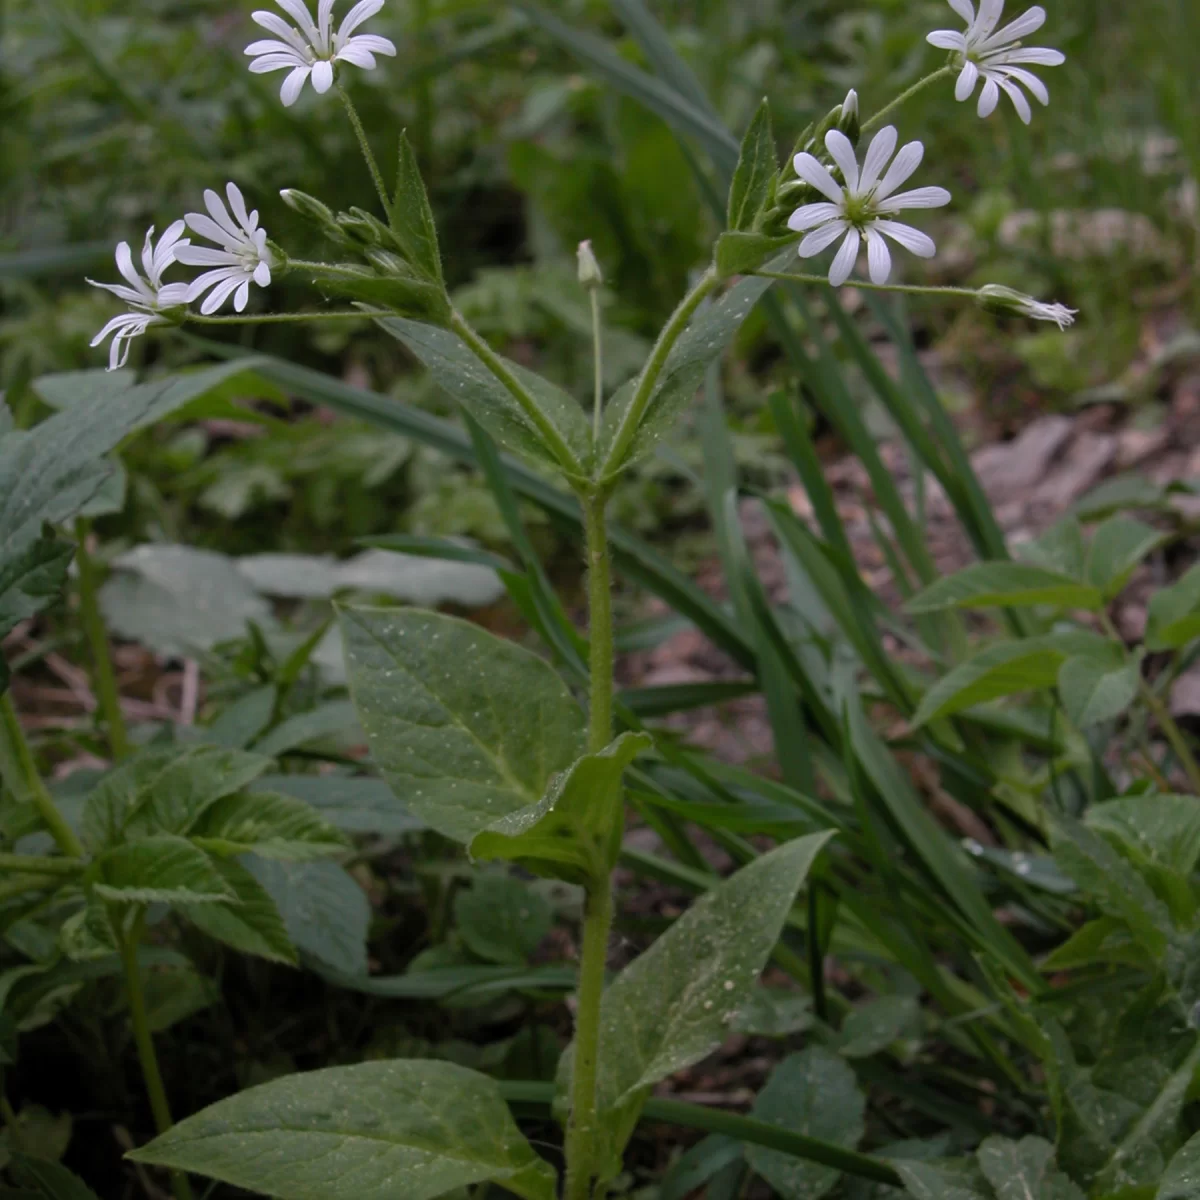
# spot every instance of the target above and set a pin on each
(365, 147)
(104, 679)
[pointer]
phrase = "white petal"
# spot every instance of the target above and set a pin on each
(374, 43)
(204, 256)
(220, 214)
(209, 279)
(879, 258)
(129, 295)
(237, 205)
(262, 274)
(116, 323)
(947, 39)
(842, 150)
(989, 98)
(221, 292)
(812, 215)
(364, 10)
(359, 56)
(148, 254)
(911, 239)
(1022, 27)
(1018, 98)
(298, 11)
(173, 293)
(127, 269)
(1035, 56)
(990, 12)
(926, 197)
(281, 29)
(293, 85)
(243, 296)
(845, 259)
(905, 163)
(817, 175)
(822, 239)
(879, 153)
(206, 227)
(322, 76)
(968, 77)
(267, 63)
(1030, 80)
(965, 9)
(325, 20)
(270, 46)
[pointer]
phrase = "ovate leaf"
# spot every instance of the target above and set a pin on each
(1005, 585)
(373, 1131)
(268, 824)
(467, 728)
(814, 1093)
(756, 170)
(1117, 546)
(252, 925)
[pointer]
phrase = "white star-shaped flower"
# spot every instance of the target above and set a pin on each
(243, 258)
(863, 208)
(997, 56)
(312, 49)
(146, 295)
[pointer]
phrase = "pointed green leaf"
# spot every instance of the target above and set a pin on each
(757, 167)
(268, 824)
(1117, 547)
(373, 1131)
(1093, 690)
(1005, 585)
(165, 869)
(502, 919)
(814, 1093)
(252, 924)
(436, 697)
(412, 218)
(1173, 618)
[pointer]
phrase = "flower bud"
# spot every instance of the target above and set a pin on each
(590, 275)
(848, 121)
(307, 206)
(387, 263)
(1005, 301)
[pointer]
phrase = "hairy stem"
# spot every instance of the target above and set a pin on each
(104, 678)
(155, 1091)
(904, 97)
(280, 318)
(424, 90)
(600, 621)
(909, 289)
(21, 774)
(653, 369)
(365, 146)
(598, 359)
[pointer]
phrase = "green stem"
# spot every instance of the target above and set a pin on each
(600, 621)
(304, 264)
(280, 318)
(104, 679)
(598, 359)
(904, 97)
(554, 440)
(909, 289)
(424, 89)
(155, 1091)
(31, 864)
(21, 774)
(653, 369)
(365, 146)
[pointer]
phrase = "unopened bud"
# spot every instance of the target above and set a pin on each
(307, 206)
(387, 263)
(848, 119)
(590, 275)
(1006, 301)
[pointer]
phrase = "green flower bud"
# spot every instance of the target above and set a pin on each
(308, 207)
(848, 121)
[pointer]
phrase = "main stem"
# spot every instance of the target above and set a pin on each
(142, 1037)
(104, 678)
(583, 1128)
(598, 360)
(21, 774)
(365, 146)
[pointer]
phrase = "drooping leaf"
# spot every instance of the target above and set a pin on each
(1005, 585)
(366, 1132)
(268, 824)
(814, 1093)
(1173, 617)
(353, 805)
(160, 869)
(502, 919)
(436, 697)
(1094, 690)
(756, 170)
(1117, 547)
(252, 925)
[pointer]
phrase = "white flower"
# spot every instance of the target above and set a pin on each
(242, 259)
(997, 55)
(313, 49)
(998, 299)
(147, 295)
(863, 208)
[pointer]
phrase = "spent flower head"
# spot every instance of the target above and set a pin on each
(243, 257)
(310, 50)
(862, 208)
(146, 294)
(997, 56)
(995, 298)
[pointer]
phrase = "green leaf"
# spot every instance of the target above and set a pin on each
(411, 217)
(1093, 690)
(877, 1025)
(165, 869)
(468, 382)
(571, 827)
(325, 913)
(334, 718)
(1105, 940)
(1024, 1170)
(1005, 585)
(353, 805)
(164, 791)
(87, 935)
(673, 1005)
(775, 1013)
(814, 1093)
(501, 919)
(435, 695)
(1173, 618)
(756, 170)
(740, 253)
(174, 995)
(945, 1180)
(1002, 670)
(366, 1132)
(31, 579)
(252, 925)
(1114, 885)
(245, 719)
(1061, 548)
(419, 299)
(1152, 829)
(50, 1180)
(271, 825)
(1181, 1181)
(1117, 547)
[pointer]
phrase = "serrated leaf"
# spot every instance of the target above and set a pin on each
(814, 1093)
(1117, 547)
(502, 919)
(268, 824)
(756, 170)
(411, 217)
(360, 1133)
(435, 695)
(468, 382)
(324, 911)
(1173, 617)
(1005, 585)
(253, 925)
(164, 791)
(1093, 691)
(353, 805)
(569, 830)
(1181, 1180)
(161, 869)
(673, 1005)
(743, 253)
(875, 1026)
